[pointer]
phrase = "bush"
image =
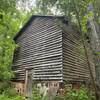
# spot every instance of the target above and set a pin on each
(36, 94)
(82, 94)
(3, 86)
(4, 97)
(9, 93)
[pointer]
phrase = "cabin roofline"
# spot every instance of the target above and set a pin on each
(31, 19)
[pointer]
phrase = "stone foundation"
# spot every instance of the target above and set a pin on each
(50, 88)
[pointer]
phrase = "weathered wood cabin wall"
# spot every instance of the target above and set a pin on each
(75, 68)
(52, 49)
(40, 48)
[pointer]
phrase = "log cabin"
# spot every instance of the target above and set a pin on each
(50, 51)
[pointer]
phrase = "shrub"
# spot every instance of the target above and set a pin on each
(36, 95)
(3, 86)
(82, 94)
(10, 94)
(4, 97)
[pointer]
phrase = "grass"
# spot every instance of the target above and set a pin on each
(4, 97)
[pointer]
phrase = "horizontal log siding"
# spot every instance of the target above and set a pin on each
(75, 66)
(52, 50)
(40, 49)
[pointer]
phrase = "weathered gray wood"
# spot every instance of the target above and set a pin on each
(74, 62)
(40, 49)
(52, 50)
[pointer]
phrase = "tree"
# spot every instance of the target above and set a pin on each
(76, 11)
(8, 6)
(8, 25)
(11, 21)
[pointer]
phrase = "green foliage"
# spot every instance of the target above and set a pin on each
(97, 10)
(59, 97)
(3, 97)
(82, 94)
(8, 27)
(97, 53)
(4, 86)
(36, 94)
(10, 22)
(75, 10)
(10, 94)
(7, 5)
